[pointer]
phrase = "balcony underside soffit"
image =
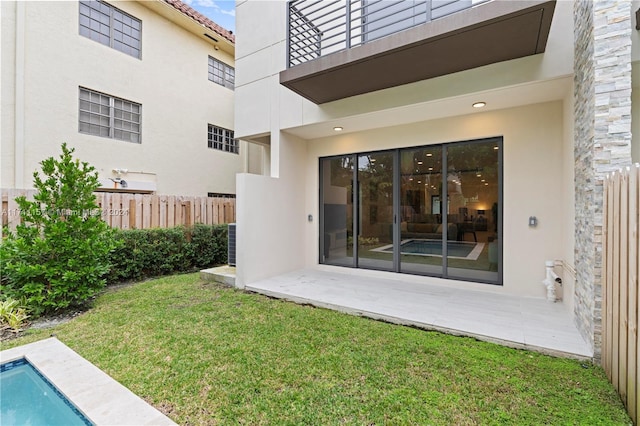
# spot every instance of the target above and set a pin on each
(489, 33)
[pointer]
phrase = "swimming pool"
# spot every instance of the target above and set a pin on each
(101, 399)
(423, 247)
(28, 398)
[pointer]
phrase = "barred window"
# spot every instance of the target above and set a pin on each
(221, 195)
(108, 116)
(221, 73)
(110, 26)
(222, 139)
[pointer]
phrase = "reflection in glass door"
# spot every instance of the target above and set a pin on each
(421, 228)
(473, 189)
(336, 243)
(375, 211)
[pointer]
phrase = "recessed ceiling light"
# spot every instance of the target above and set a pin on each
(419, 162)
(479, 104)
(429, 154)
(430, 168)
(495, 147)
(419, 181)
(338, 128)
(410, 178)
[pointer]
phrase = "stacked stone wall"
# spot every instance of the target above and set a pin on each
(602, 95)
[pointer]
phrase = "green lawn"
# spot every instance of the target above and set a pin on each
(206, 354)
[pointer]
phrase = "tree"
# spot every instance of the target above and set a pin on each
(60, 252)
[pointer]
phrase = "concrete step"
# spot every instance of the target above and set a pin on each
(221, 274)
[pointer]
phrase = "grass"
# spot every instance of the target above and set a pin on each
(206, 354)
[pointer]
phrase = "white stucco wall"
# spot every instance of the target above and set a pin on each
(170, 81)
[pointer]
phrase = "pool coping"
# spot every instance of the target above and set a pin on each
(99, 397)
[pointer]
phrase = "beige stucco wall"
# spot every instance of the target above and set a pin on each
(170, 81)
(529, 104)
(536, 182)
(533, 176)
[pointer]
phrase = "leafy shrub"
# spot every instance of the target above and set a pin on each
(154, 252)
(207, 245)
(12, 315)
(59, 254)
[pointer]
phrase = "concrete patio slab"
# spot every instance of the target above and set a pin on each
(520, 322)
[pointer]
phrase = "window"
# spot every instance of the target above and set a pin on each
(108, 116)
(222, 139)
(221, 73)
(110, 26)
(221, 195)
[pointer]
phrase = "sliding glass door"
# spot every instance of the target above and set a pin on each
(336, 216)
(421, 227)
(473, 190)
(432, 210)
(375, 210)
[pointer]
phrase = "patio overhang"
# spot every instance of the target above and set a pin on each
(488, 33)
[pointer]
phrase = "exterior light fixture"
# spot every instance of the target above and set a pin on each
(479, 104)
(338, 128)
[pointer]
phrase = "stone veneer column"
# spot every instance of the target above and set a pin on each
(602, 96)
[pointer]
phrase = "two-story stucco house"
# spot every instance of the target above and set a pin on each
(143, 90)
(461, 143)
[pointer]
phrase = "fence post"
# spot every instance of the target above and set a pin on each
(187, 213)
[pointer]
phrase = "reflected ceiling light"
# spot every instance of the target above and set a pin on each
(419, 181)
(479, 104)
(410, 178)
(482, 180)
(419, 162)
(429, 154)
(430, 168)
(373, 160)
(495, 147)
(486, 183)
(338, 128)
(479, 175)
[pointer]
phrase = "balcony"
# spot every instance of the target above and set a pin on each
(343, 48)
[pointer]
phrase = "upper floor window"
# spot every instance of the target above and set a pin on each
(222, 139)
(108, 116)
(221, 73)
(110, 26)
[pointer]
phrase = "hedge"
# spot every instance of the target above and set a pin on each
(147, 253)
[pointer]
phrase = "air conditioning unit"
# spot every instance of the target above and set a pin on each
(231, 253)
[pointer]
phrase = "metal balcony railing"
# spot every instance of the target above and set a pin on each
(319, 27)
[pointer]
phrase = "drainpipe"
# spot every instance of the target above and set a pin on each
(550, 281)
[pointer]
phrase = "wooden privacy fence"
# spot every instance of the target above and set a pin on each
(620, 295)
(140, 211)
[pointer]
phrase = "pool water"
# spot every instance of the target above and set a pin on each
(27, 398)
(434, 247)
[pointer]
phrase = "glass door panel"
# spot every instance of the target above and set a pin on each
(336, 244)
(473, 188)
(375, 211)
(421, 229)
